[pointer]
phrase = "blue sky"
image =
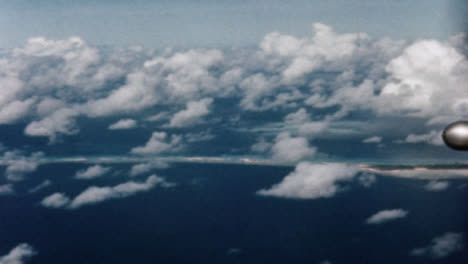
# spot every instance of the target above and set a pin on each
(210, 23)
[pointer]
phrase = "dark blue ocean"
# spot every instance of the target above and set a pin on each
(213, 215)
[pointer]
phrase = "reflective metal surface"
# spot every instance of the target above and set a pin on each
(456, 135)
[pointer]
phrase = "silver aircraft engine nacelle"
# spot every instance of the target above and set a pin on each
(455, 135)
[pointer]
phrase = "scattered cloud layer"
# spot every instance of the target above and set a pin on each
(19, 255)
(386, 216)
(441, 246)
(315, 82)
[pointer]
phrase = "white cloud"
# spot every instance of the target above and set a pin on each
(441, 246)
(300, 121)
(44, 184)
(158, 117)
(255, 87)
(298, 117)
(291, 149)
(61, 121)
(177, 78)
(92, 172)
(15, 110)
(123, 124)
(261, 146)
(198, 137)
(136, 94)
(51, 83)
(19, 255)
(302, 56)
(48, 106)
(95, 194)
(437, 186)
(159, 143)
(312, 181)
(6, 189)
(141, 168)
(47, 75)
(374, 139)
(433, 138)
(312, 128)
(56, 200)
(187, 74)
(429, 80)
(18, 166)
(386, 216)
(193, 113)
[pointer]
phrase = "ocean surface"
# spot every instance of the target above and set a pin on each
(213, 214)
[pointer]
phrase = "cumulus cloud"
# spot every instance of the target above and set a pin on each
(123, 124)
(312, 181)
(45, 76)
(176, 78)
(19, 255)
(437, 186)
(291, 149)
(441, 246)
(306, 55)
(429, 80)
(56, 200)
(141, 168)
(374, 139)
(301, 122)
(92, 172)
(18, 165)
(61, 121)
(6, 189)
(386, 216)
(95, 194)
(261, 146)
(52, 84)
(159, 142)
(15, 110)
(194, 111)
